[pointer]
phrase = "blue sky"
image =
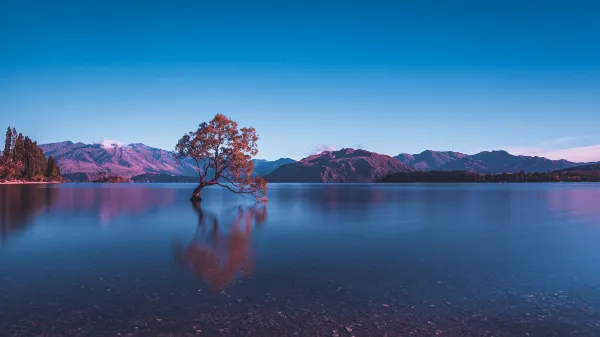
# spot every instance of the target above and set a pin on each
(386, 76)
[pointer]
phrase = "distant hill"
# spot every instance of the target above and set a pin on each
(81, 177)
(482, 162)
(125, 161)
(88, 162)
(584, 168)
(502, 161)
(346, 165)
(263, 167)
(163, 178)
(429, 160)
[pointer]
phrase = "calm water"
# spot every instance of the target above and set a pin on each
(318, 260)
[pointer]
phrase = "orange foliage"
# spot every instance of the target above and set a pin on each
(223, 156)
(38, 178)
(10, 169)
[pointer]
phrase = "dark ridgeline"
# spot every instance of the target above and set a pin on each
(162, 178)
(263, 167)
(497, 162)
(23, 159)
(96, 177)
(584, 168)
(108, 178)
(570, 175)
(20, 204)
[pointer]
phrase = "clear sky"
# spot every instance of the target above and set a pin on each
(387, 76)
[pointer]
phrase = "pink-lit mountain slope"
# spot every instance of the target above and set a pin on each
(345, 165)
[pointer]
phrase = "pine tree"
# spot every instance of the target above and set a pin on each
(50, 168)
(56, 171)
(35, 161)
(9, 168)
(23, 158)
(8, 143)
(28, 161)
(19, 149)
(52, 171)
(13, 139)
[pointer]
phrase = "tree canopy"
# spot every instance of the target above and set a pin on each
(223, 155)
(23, 159)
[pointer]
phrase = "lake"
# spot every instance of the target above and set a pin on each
(317, 260)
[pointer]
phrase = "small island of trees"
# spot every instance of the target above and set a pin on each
(23, 161)
(111, 179)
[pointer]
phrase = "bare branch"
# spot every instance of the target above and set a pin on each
(229, 188)
(206, 166)
(200, 173)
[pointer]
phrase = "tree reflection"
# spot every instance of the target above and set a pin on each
(222, 256)
(20, 204)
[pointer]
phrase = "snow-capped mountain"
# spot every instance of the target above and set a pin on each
(82, 162)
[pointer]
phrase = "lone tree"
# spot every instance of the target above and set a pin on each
(223, 156)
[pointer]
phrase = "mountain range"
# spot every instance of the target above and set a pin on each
(345, 165)
(81, 162)
(429, 160)
(86, 162)
(585, 168)
(482, 162)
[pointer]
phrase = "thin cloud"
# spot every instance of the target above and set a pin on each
(589, 153)
(109, 143)
(320, 148)
(560, 141)
(568, 148)
(525, 151)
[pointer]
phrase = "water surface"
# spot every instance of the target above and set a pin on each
(318, 260)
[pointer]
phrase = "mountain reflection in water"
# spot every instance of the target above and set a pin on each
(217, 258)
(112, 202)
(20, 204)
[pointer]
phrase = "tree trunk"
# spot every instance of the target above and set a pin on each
(196, 193)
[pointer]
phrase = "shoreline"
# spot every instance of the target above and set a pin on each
(341, 183)
(28, 182)
(438, 182)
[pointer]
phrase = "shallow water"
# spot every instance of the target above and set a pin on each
(318, 260)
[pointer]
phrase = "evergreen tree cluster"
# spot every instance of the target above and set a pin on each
(111, 179)
(23, 159)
